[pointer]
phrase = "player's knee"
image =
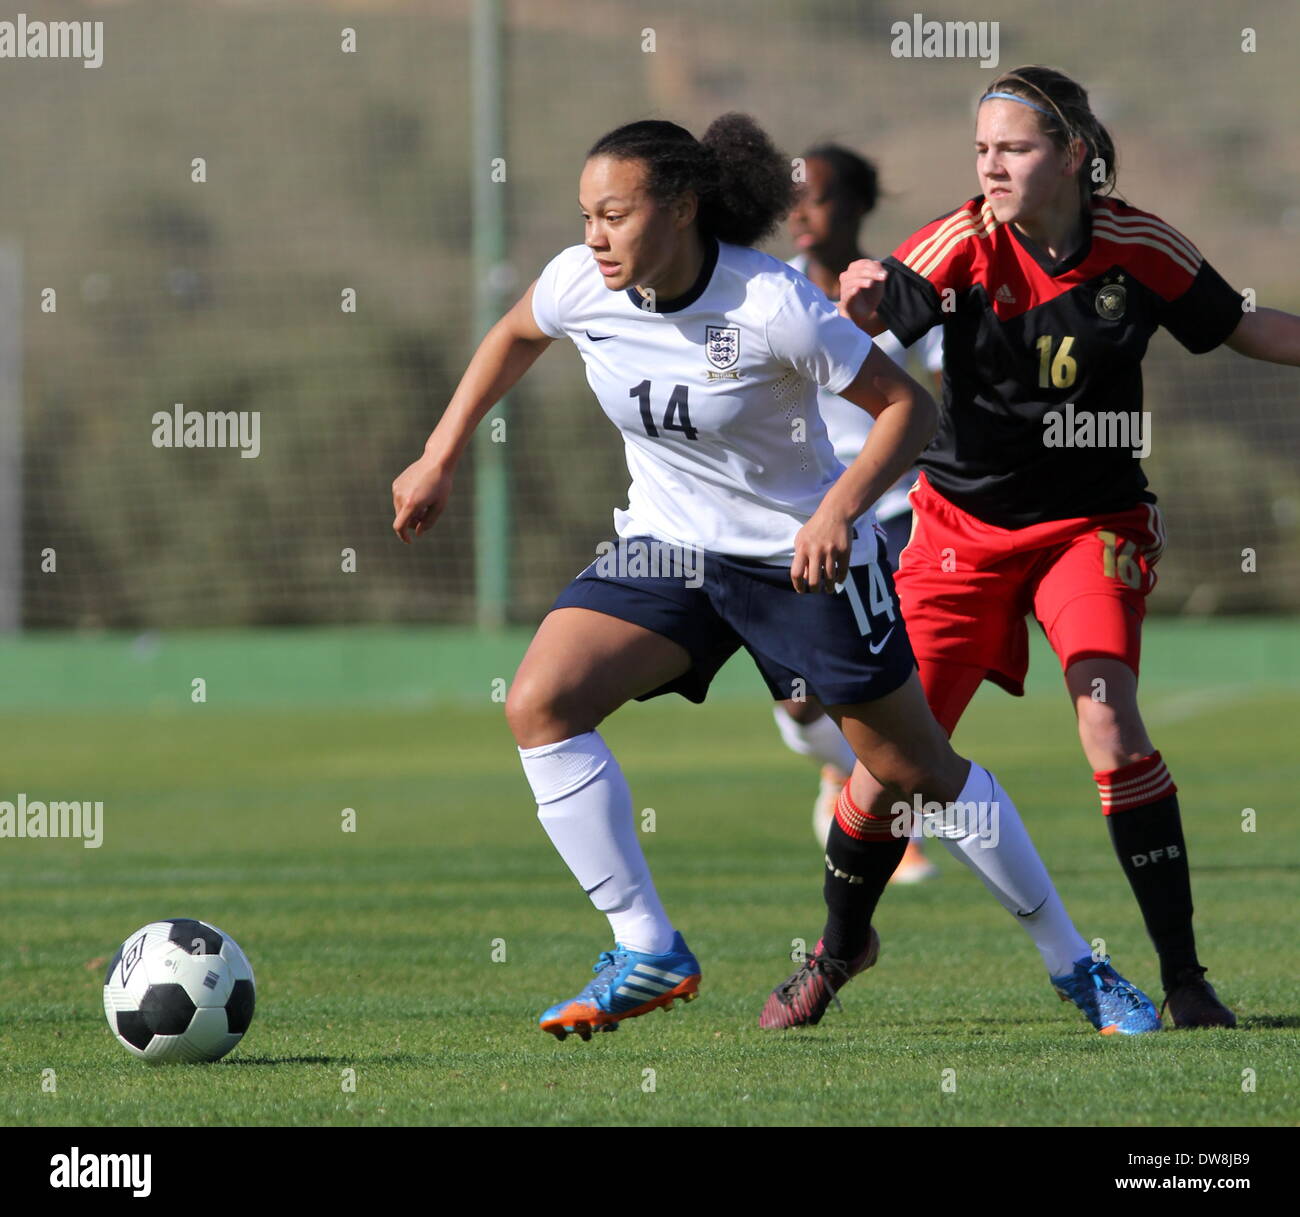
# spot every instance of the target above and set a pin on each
(522, 704)
(882, 793)
(891, 801)
(938, 774)
(874, 797)
(538, 713)
(805, 712)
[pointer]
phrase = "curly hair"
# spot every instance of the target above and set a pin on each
(744, 185)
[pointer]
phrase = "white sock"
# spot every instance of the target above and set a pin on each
(998, 849)
(584, 803)
(820, 740)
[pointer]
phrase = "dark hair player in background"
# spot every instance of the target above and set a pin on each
(1048, 294)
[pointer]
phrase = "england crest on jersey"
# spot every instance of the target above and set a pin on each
(722, 345)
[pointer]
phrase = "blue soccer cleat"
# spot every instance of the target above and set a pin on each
(627, 984)
(1109, 1002)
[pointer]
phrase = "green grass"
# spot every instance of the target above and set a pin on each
(373, 949)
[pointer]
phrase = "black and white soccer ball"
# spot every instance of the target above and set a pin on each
(179, 990)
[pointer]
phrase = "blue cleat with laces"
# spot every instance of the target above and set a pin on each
(627, 984)
(1109, 1002)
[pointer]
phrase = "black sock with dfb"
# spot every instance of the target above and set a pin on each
(859, 862)
(1148, 841)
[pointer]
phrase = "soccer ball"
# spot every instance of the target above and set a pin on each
(179, 990)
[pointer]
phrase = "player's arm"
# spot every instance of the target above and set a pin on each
(906, 418)
(1208, 313)
(507, 351)
(1268, 334)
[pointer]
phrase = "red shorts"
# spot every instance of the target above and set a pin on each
(966, 587)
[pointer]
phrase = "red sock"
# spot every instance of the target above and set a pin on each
(861, 825)
(1134, 785)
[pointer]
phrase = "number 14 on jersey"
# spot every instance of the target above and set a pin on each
(677, 414)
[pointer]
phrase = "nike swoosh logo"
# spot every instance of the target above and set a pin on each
(1032, 911)
(599, 337)
(875, 650)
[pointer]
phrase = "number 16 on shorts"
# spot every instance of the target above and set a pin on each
(876, 618)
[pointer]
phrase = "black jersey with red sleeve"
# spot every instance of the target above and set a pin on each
(1041, 358)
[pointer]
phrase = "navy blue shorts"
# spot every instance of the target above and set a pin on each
(843, 649)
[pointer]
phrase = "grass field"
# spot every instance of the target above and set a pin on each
(373, 949)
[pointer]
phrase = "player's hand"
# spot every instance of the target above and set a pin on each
(420, 493)
(821, 554)
(862, 286)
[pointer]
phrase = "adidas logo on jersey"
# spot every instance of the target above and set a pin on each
(1004, 295)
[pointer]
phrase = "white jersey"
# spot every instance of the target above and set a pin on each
(848, 425)
(715, 394)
